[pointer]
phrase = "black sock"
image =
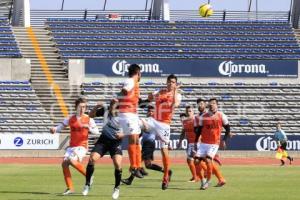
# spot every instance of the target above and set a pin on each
(282, 162)
(89, 173)
(289, 157)
(118, 176)
(130, 178)
(155, 167)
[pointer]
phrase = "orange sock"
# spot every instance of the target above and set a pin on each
(138, 156)
(217, 172)
(209, 170)
(68, 179)
(192, 169)
(132, 155)
(204, 168)
(199, 170)
(79, 167)
(166, 164)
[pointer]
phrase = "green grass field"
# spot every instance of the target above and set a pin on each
(30, 182)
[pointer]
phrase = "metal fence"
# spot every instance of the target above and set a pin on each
(38, 17)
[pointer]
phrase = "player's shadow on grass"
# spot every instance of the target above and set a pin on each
(78, 195)
(155, 180)
(178, 188)
(138, 196)
(22, 192)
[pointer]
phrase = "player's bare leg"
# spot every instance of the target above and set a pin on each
(67, 176)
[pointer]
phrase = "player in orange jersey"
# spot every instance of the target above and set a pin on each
(202, 109)
(80, 125)
(166, 100)
(210, 129)
(188, 131)
(128, 118)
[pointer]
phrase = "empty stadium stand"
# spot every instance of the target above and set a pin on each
(8, 45)
(20, 109)
(40, 76)
(77, 38)
(253, 109)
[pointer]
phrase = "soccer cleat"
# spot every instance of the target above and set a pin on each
(143, 171)
(86, 190)
(291, 160)
(116, 193)
(221, 183)
(68, 192)
(165, 184)
(170, 174)
(136, 173)
(126, 181)
(204, 185)
(192, 180)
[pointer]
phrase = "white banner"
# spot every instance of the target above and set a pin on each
(29, 141)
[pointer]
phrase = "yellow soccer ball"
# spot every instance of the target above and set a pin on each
(205, 10)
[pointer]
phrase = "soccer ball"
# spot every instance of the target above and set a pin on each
(206, 10)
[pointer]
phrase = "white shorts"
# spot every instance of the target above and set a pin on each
(162, 130)
(130, 123)
(204, 150)
(190, 151)
(75, 153)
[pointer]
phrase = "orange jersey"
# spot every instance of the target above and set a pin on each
(79, 135)
(129, 102)
(211, 127)
(189, 129)
(164, 101)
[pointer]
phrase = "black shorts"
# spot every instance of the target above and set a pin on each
(283, 145)
(104, 145)
(148, 150)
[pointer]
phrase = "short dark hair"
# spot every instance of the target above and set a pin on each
(182, 115)
(149, 107)
(199, 100)
(188, 107)
(80, 100)
(133, 69)
(172, 76)
(213, 99)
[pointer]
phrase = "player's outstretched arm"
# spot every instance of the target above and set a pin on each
(60, 126)
(93, 112)
(93, 127)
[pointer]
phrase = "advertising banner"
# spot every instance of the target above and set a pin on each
(194, 68)
(240, 142)
(29, 141)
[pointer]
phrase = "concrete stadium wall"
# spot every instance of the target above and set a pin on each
(15, 69)
(76, 71)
